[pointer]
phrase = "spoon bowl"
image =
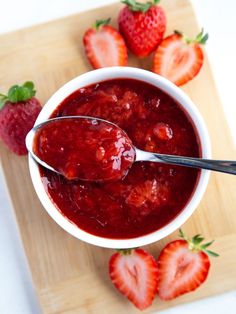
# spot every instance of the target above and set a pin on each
(82, 148)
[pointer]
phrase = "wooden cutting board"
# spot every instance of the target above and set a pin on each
(71, 276)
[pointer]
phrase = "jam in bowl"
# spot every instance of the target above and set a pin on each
(153, 199)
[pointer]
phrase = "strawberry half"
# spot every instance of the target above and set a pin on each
(134, 274)
(183, 266)
(104, 46)
(179, 58)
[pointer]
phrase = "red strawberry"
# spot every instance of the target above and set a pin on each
(104, 46)
(134, 274)
(18, 112)
(178, 58)
(183, 266)
(142, 25)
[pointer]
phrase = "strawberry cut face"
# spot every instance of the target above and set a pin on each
(135, 276)
(105, 47)
(177, 60)
(180, 270)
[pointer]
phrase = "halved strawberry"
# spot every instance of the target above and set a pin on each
(183, 266)
(104, 46)
(179, 58)
(134, 274)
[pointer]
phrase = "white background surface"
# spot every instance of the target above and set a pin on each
(218, 18)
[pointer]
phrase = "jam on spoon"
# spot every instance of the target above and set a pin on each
(84, 148)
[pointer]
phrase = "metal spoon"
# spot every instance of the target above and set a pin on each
(225, 166)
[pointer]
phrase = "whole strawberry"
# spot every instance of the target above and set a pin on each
(18, 112)
(142, 26)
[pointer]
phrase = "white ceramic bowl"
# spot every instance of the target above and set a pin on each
(156, 80)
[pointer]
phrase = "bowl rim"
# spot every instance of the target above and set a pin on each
(175, 92)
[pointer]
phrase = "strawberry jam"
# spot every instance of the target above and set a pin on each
(86, 149)
(152, 194)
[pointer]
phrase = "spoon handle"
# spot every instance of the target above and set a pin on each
(227, 166)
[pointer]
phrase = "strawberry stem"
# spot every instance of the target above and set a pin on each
(18, 93)
(100, 23)
(195, 244)
(201, 38)
(139, 7)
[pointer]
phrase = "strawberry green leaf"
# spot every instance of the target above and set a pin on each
(21, 93)
(204, 246)
(182, 235)
(204, 39)
(99, 23)
(138, 6)
(18, 93)
(197, 238)
(195, 244)
(15, 93)
(201, 38)
(210, 253)
(29, 85)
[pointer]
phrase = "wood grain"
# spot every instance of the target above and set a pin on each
(71, 276)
